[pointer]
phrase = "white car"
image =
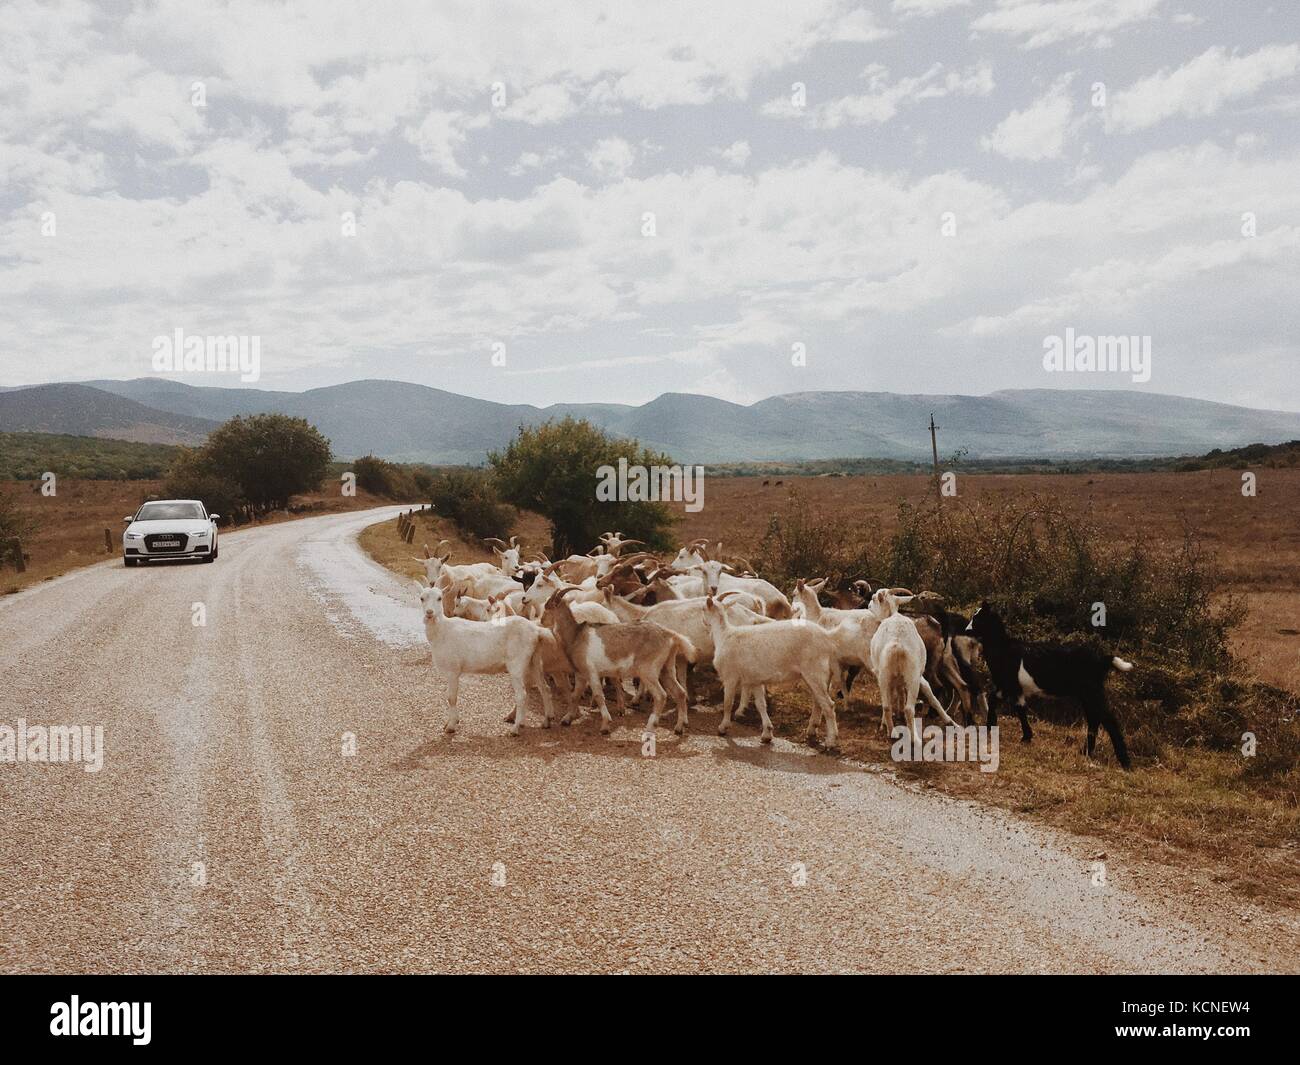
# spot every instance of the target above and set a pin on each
(170, 528)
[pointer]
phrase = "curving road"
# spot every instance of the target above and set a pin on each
(228, 831)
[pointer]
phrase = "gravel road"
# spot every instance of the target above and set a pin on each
(228, 830)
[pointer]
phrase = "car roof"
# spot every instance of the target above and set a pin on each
(148, 501)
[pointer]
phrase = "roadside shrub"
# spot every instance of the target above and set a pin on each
(269, 456)
(797, 543)
(192, 476)
(1047, 568)
(383, 478)
(551, 469)
(468, 499)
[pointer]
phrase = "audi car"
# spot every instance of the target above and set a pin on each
(170, 528)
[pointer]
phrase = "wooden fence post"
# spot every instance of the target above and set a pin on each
(108, 542)
(14, 548)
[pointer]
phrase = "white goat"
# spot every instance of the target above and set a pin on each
(438, 572)
(548, 583)
(506, 645)
(747, 658)
(898, 660)
(715, 576)
(507, 554)
(682, 616)
(640, 650)
(615, 542)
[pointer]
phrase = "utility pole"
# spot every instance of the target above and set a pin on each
(934, 449)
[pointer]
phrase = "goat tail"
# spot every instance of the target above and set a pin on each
(897, 685)
(687, 649)
(1121, 664)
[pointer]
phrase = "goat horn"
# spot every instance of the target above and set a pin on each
(494, 540)
(901, 591)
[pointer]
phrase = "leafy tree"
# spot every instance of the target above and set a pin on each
(468, 499)
(269, 456)
(193, 476)
(551, 469)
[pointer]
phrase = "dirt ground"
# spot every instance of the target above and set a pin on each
(1188, 807)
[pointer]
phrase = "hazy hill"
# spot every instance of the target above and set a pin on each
(414, 423)
(81, 410)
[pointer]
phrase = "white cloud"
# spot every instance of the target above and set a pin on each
(737, 154)
(925, 8)
(1043, 22)
(478, 223)
(1037, 132)
(611, 158)
(436, 138)
(1201, 86)
(885, 97)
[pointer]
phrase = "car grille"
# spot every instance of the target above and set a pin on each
(151, 542)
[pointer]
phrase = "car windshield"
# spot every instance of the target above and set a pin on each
(170, 512)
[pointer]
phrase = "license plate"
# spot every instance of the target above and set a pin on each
(167, 543)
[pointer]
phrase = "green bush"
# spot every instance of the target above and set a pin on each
(468, 499)
(192, 477)
(1045, 567)
(552, 470)
(262, 459)
(26, 456)
(387, 479)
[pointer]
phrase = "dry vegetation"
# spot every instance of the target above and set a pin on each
(1184, 801)
(69, 526)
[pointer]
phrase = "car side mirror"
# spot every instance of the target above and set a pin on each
(129, 518)
(215, 517)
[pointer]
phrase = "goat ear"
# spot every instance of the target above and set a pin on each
(420, 586)
(427, 552)
(443, 558)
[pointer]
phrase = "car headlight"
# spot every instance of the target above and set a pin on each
(202, 535)
(135, 536)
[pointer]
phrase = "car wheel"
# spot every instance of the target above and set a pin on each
(211, 556)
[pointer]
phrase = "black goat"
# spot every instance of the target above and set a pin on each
(1022, 669)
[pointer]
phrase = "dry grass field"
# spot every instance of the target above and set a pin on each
(1256, 540)
(70, 524)
(1185, 805)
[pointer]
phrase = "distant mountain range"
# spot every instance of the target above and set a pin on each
(413, 423)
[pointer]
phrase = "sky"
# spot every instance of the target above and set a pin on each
(589, 202)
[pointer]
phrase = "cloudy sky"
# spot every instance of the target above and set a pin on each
(638, 198)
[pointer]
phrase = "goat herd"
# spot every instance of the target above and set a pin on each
(641, 624)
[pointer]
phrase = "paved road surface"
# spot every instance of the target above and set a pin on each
(224, 746)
